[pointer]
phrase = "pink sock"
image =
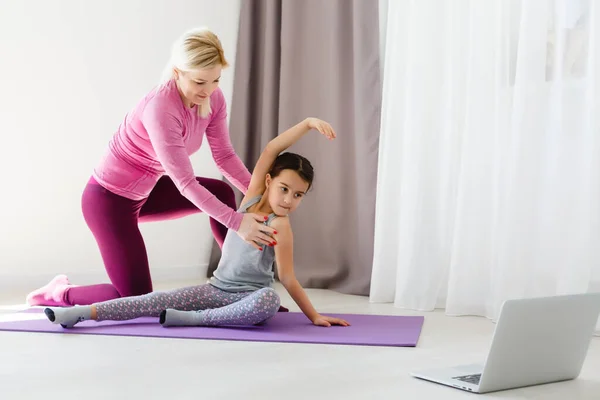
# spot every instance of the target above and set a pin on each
(53, 294)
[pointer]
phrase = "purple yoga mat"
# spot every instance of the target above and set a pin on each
(288, 327)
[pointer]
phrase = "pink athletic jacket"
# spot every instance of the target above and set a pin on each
(157, 137)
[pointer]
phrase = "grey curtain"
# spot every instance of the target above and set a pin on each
(314, 58)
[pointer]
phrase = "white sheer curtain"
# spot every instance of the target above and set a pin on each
(489, 163)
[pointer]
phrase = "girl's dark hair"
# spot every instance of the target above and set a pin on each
(295, 162)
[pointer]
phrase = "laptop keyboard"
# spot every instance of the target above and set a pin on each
(474, 379)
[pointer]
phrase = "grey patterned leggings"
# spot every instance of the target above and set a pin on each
(225, 307)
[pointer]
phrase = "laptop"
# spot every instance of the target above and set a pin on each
(536, 341)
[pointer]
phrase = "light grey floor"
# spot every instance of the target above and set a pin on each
(50, 366)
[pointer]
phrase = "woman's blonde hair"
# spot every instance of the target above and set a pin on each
(197, 48)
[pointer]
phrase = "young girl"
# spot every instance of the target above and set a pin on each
(240, 291)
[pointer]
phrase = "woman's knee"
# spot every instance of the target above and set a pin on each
(129, 288)
(220, 189)
(226, 194)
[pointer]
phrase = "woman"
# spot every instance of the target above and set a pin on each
(146, 175)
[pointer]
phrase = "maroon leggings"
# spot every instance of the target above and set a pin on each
(114, 219)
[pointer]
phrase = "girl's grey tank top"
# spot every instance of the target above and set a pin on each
(242, 266)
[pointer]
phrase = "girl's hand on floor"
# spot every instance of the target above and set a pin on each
(323, 320)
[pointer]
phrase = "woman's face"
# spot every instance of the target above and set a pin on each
(196, 86)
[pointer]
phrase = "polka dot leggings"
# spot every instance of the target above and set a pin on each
(226, 308)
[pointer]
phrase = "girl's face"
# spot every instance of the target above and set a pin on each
(285, 191)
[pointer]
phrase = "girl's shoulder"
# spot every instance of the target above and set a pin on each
(283, 234)
(281, 223)
(253, 209)
(249, 204)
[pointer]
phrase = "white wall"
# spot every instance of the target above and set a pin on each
(69, 71)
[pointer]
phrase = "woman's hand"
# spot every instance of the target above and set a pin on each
(322, 320)
(253, 230)
(321, 126)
